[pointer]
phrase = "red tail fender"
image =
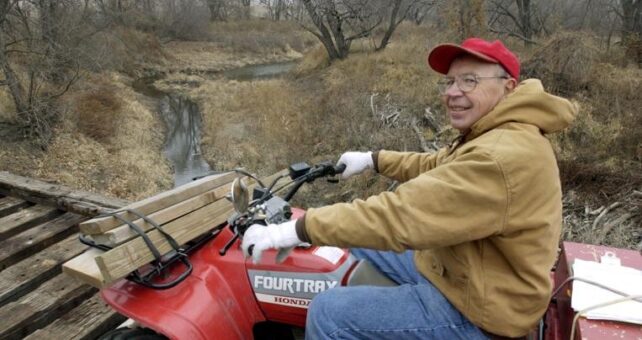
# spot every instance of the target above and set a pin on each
(215, 301)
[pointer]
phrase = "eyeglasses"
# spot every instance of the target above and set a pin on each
(465, 82)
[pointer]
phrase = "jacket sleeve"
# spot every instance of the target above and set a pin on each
(463, 200)
(403, 166)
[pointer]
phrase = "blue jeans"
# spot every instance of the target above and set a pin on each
(413, 310)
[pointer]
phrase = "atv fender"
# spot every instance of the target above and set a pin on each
(215, 301)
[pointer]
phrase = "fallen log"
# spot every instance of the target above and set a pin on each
(64, 198)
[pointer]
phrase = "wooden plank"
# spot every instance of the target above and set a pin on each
(65, 198)
(158, 202)
(124, 233)
(25, 219)
(37, 238)
(42, 306)
(124, 259)
(89, 321)
(26, 275)
(85, 269)
(9, 205)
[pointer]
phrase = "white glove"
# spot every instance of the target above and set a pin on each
(355, 162)
(279, 236)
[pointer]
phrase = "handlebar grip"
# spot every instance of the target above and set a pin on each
(339, 169)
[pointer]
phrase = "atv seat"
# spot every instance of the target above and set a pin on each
(364, 273)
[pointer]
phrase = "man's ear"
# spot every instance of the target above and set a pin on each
(510, 85)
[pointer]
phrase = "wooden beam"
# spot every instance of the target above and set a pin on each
(42, 306)
(24, 276)
(24, 219)
(124, 259)
(84, 268)
(9, 205)
(65, 198)
(124, 233)
(37, 238)
(88, 321)
(157, 202)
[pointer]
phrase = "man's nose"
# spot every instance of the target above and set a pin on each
(453, 90)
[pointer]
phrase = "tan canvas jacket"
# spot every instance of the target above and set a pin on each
(484, 215)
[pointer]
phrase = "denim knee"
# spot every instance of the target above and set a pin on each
(323, 311)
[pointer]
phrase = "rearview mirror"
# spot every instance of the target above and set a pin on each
(239, 195)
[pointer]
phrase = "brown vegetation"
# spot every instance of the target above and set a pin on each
(319, 114)
(109, 138)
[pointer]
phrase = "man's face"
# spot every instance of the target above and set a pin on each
(464, 109)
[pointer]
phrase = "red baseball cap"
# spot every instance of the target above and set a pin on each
(443, 55)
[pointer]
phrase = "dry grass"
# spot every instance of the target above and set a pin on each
(331, 112)
(121, 49)
(127, 164)
(600, 154)
(98, 113)
(322, 110)
(259, 36)
(7, 108)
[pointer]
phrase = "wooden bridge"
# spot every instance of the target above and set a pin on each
(38, 233)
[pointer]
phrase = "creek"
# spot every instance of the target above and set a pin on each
(183, 119)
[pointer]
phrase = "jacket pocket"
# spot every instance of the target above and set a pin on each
(456, 271)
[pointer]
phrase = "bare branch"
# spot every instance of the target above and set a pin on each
(513, 34)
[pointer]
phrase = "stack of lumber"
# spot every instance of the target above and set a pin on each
(184, 213)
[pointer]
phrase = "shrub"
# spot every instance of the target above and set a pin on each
(97, 113)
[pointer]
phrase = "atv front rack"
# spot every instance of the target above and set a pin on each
(159, 268)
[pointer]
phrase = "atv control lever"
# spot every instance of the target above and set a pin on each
(229, 243)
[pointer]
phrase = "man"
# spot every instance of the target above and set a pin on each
(479, 221)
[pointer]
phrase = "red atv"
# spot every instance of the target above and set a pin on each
(210, 291)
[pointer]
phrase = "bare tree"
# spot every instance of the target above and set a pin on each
(631, 14)
(277, 9)
(36, 59)
(218, 10)
(466, 17)
(515, 18)
(245, 8)
(419, 12)
(337, 23)
(402, 9)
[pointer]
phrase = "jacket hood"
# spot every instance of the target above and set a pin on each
(528, 104)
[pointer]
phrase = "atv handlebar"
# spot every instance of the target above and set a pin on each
(323, 169)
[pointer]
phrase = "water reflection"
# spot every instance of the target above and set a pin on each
(259, 71)
(182, 143)
(183, 119)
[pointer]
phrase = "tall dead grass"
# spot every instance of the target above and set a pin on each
(121, 158)
(327, 110)
(98, 112)
(7, 108)
(607, 131)
(260, 35)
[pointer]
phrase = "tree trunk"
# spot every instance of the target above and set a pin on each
(49, 32)
(632, 29)
(217, 10)
(324, 36)
(392, 25)
(12, 80)
(245, 11)
(524, 13)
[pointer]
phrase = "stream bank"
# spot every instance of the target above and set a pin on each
(184, 121)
